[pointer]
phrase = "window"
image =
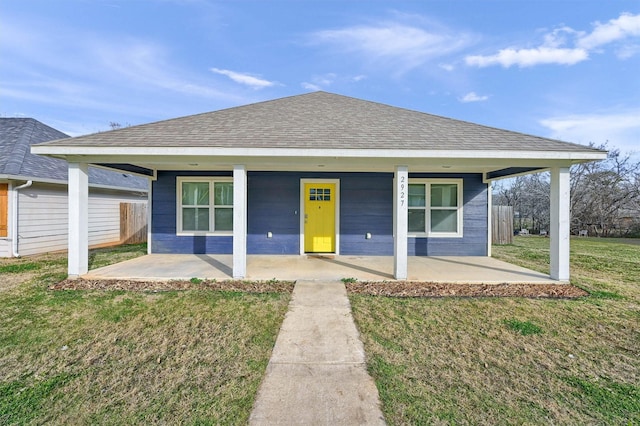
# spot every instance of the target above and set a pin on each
(319, 194)
(435, 208)
(205, 206)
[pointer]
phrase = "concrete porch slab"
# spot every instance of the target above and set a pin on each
(449, 269)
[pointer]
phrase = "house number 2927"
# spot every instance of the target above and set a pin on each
(401, 193)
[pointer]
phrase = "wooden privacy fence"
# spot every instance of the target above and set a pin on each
(502, 225)
(133, 223)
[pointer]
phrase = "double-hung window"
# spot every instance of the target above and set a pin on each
(435, 207)
(205, 205)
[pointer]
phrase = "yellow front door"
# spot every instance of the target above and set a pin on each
(320, 217)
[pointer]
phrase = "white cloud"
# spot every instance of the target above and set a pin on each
(310, 86)
(628, 51)
(529, 57)
(566, 46)
(627, 25)
(473, 97)
(246, 79)
(404, 46)
(620, 128)
(65, 69)
(321, 81)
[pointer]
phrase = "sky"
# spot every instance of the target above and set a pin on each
(564, 69)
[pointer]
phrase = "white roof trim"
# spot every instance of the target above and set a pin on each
(64, 151)
(64, 182)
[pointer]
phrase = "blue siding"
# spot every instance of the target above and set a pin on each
(274, 206)
(163, 224)
(366, 206)
(273, 200)
(474, 239)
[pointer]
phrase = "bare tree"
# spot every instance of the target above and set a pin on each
(115, 125)
(605, 197)
(603, 191)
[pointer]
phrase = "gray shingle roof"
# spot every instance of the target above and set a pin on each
(321, 120)
(16, 137)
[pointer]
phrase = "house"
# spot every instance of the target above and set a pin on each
(321, 173)
(33, 194)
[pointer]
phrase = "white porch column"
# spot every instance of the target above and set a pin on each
(489, 218)
(78, 219)
(560, 221)
(239, 221)
(400, 222)
(149, 214)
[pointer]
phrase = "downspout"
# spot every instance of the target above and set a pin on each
(14, 215)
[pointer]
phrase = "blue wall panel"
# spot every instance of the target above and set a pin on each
(273, 200)
(366, 206)
(274, 206)
(163, 225)
(474, 240)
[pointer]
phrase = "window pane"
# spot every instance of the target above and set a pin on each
(224, 194)
(195, 193)
(444, 221)
(444, 195)
(195, 219)
(416, 195)
(416, 220)
(224, 219)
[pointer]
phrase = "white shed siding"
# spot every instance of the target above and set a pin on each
(43, 217)
(5, 247)
(104, 217)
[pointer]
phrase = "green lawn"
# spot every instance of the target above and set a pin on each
(115, 357)
(514, 361)
(197, 357)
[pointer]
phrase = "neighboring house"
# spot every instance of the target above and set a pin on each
(33, 194)
(323, 173)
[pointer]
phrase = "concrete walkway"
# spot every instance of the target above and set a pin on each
(317, 374)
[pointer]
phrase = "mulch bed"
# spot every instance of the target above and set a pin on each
(157, 286)
(426, 289)
(386, 288)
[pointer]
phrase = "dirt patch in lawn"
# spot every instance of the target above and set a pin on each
(427, 289)
(386, 288)
(272, 286)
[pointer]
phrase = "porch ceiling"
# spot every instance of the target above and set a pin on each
(441, 162)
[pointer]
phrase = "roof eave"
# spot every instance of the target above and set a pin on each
(68, 152)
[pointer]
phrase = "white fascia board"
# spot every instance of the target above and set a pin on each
(155, 152)
(34, 179)
(64, 182)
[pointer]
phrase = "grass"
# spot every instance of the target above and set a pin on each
(523, 327)
(115, 357)
(514, 361)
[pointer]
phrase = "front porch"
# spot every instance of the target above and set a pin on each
(444, 269)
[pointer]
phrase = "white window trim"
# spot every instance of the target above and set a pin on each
(212, 180)
(427, 208)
